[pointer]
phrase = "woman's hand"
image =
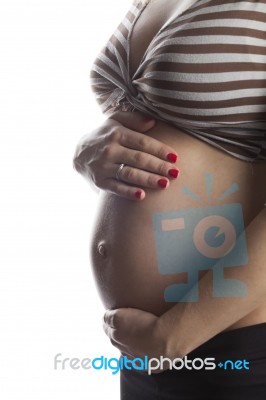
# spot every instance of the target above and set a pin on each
(148, 162)
(136, 333)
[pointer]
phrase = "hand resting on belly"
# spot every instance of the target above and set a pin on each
(130, 262)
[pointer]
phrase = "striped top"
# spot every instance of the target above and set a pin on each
(204, 72)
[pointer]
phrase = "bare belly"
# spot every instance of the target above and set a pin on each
(128, 250)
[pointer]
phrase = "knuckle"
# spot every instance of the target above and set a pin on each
(111, 186)
(139, 157)
(96, 180)
(162, 151)
(143, 142)
(128, 174)
(78, 165)
(163, 168)
(115, 135)
(116, 320)
(108, 150)
(151, 181)
(128, 193)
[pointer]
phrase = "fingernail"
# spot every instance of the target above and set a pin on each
(147, 119)
(138, 194)
(173, 173)
(162, 183)
(172, 157)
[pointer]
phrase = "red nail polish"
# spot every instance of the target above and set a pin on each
(138, 194)
(162, 182)
(172, 157)
(147, 119)
(173, 173)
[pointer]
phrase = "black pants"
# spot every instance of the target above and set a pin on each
(247, 343)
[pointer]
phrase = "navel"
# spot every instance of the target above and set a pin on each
(102, 249)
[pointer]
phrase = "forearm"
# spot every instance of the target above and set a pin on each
(188, 325)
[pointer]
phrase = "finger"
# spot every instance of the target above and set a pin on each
(116, 342)
(114, 334)
(136, 176)
(123, 190)
(142, 161)
(109, 317)
(136, 121)
(115, 319)
(120, 346)
(147, 144)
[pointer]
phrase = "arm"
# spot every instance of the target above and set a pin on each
(188, 325)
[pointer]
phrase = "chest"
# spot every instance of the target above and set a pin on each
(155, 15)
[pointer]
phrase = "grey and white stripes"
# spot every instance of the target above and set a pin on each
(204, 72)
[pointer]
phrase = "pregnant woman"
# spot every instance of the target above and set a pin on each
(178, 250)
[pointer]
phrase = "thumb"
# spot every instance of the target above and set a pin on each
(135, 121)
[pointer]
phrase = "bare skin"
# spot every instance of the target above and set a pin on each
(187, 325)
(123, 250)
(150, 21)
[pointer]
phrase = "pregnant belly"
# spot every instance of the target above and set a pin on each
(144, 253)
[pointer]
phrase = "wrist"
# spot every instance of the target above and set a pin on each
(171, 345)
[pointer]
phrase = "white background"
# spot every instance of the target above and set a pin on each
(48, 301)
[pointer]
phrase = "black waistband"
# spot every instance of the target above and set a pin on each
(239, 342)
